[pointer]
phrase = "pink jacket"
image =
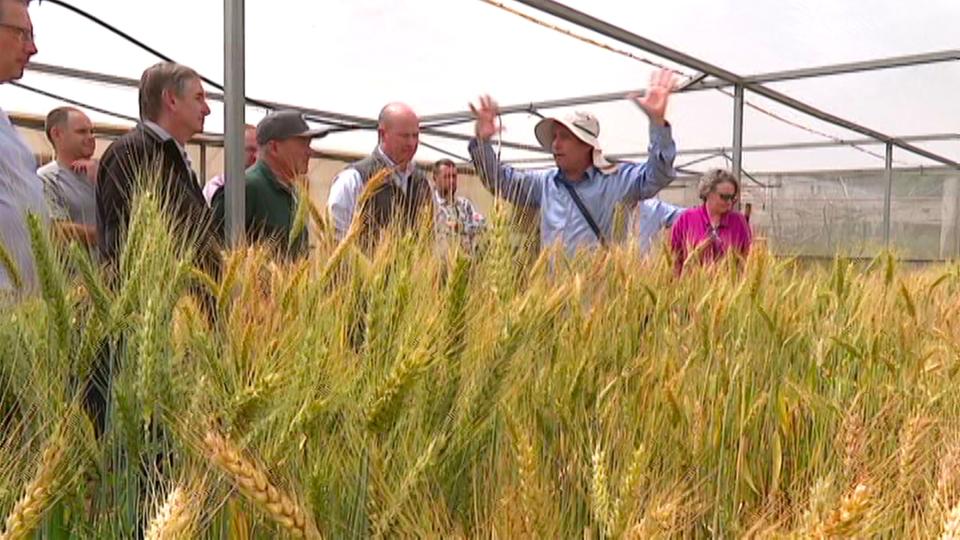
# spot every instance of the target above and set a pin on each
(693, 228)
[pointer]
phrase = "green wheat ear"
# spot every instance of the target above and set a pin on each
(52, 280)
(10, 266)
(300, 218)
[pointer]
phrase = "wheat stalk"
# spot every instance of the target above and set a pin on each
(603, 508)
(951, 525)
(40, 493)
(847, 521)
(254, 484)
(174, 519)
(531, 496)
(387, 397)
(358, 224)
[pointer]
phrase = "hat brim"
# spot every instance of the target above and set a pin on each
(544, 131)
(313, 134)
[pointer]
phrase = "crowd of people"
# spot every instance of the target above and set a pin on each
(86, 200)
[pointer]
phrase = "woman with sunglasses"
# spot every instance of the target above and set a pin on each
(713, 229)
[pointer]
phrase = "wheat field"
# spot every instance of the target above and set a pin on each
(402, 392)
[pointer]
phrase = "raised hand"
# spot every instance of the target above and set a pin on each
(654, 100)
(486, 114)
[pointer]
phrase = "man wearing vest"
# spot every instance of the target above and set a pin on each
(578, 198)
(271, 193)
(400, 201)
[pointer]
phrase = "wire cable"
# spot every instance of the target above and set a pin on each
(691, 78)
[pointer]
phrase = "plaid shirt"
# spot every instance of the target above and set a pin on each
(458, 219)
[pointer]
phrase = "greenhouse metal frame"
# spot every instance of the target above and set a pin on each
(710, 77)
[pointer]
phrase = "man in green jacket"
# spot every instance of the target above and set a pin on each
(271, 192)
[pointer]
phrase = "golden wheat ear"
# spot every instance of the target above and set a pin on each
(55, 472)
(254, 484)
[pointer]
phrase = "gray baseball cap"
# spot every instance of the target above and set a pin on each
(281, 125)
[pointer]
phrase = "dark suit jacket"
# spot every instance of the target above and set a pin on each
(123, 170)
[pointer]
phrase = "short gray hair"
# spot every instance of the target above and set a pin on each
(713, 178)
(56, 118)
(158, 78)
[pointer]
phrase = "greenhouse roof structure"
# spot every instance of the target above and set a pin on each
(766, 86)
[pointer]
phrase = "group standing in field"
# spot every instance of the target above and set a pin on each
(88, 200)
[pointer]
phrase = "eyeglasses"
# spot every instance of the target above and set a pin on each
(729, 197)
(25, 34)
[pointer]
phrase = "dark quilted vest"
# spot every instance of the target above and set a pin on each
(390, 204)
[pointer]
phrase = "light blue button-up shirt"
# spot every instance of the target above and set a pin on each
(560, 219)
(21, 191)
(651, 216)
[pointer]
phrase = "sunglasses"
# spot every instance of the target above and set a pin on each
(729, 197)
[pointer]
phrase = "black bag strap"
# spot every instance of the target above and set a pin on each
(583, 209)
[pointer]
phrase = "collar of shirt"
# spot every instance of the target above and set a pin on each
(274, 180)
(441, 200)
(590, 175)
(400, 177)
(165, 136)
(706, 218)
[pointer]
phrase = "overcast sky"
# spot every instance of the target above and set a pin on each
(354, 56)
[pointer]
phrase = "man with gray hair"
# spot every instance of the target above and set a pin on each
(70, 180)
(173, 107)
(407, 193)
(20, 189)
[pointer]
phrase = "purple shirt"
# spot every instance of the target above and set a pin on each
(693, 228)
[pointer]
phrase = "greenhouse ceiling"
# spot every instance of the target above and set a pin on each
(352, 57)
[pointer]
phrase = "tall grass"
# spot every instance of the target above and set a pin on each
(390, 391)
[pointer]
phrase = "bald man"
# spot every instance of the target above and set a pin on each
(403, 197)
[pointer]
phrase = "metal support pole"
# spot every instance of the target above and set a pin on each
(888, 195)
(234, 118)
(737, 131)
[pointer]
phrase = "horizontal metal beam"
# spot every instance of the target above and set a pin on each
(718, 150)
(838, 69)
(320, 115)
(594, 24)
(849, 125)
(532, 106)
(713, 83)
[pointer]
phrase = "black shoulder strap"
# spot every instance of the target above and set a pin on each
(583, 209)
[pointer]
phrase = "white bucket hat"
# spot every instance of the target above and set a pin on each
(584, 126)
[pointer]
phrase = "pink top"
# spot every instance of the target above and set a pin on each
(693, 228)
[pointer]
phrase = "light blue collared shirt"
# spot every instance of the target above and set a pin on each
(651, 216)
(560, 219)
(21, 191)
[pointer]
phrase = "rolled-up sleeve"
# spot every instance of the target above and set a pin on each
(644, 180)
(342, 201)
(524, 188)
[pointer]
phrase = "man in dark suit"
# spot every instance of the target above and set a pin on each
(153, 156)
(173, 107)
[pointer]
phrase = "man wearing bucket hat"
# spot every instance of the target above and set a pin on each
(577, 199)
(271, 200)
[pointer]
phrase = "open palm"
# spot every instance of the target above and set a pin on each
(654, 100)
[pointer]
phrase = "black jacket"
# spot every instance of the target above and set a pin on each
(123, 168)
